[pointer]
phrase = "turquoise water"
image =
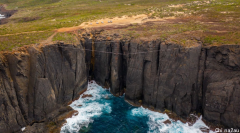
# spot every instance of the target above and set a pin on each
(104, 113)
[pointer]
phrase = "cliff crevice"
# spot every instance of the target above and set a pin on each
(164, 75)
(38, 80)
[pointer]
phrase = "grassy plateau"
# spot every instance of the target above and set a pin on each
(214, 22)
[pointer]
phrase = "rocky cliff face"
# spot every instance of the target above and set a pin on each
(221, 85)
(37, 80)
(163, 75)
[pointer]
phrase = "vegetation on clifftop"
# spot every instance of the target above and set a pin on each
(218, 20)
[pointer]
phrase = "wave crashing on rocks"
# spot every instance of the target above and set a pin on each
(100, 112)
(2, 16)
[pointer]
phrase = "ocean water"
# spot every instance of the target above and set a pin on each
(104, 113)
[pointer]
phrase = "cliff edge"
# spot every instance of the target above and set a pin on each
(164, 75)
(37, 80)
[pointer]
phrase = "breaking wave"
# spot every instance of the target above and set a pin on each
(156, 122)
(2, 16)
(99, 111)
(88, 108)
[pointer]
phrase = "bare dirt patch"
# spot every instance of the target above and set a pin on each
(107, 22)
(49, 40)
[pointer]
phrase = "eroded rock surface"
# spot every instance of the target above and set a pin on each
(164, 75)
(37, 80)
(221, 85)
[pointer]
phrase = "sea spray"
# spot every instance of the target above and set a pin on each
(88, 108)
(102, 112)
(156, 122)
(2, 16)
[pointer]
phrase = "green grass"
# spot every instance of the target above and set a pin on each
(162, 31)
(229, 38)
(10, 42)
(48, 15)
(55, 14)
(68, 38)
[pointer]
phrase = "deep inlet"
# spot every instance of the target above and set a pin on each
(163, 75)
(100, 111)
(39, 81)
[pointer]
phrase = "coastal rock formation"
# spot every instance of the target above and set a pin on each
(155, 74)
(221, 85)
(164, 75)
(36, 80)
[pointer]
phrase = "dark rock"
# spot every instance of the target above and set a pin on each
(166, 75)
(11, 116)
(221, 86)
(19, 68)
(37, 80)
(45, 101)
(86, 95)
(116, 69)
(167, 122)
(101, 63)
(87, 45)
(36, 128)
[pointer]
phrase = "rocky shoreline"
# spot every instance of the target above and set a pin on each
(162, 75)
(38, 80)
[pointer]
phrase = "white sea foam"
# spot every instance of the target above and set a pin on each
(22, 129)
(156, 125)
(2, 16)
(88, 108)
(91, 107)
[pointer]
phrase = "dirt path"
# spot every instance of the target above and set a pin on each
(22, 33)
(124, 20)
(49, 39)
